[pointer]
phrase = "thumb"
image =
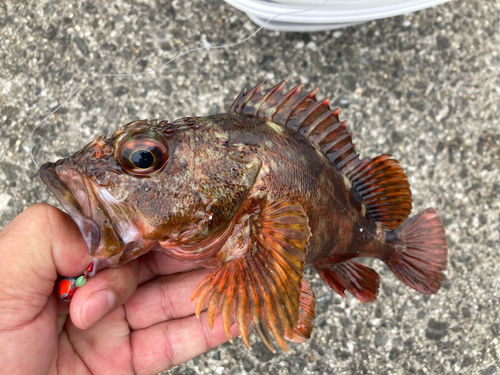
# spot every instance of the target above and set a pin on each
(35, 247)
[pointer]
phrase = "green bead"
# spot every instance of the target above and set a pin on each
(80, 281)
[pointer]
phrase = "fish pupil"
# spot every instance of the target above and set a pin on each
(142, 159)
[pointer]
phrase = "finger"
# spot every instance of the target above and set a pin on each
(156, 263)
(103, 293)
(37, 245)
(176, 342)
(164, 298)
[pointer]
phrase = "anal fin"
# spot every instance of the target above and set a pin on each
(359, 280)
(307, 314)
(259, 282)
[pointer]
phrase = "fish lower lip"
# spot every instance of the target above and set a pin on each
(88, 227)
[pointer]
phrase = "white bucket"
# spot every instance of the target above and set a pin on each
(317, 15)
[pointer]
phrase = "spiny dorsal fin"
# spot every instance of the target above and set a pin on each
(381, 182)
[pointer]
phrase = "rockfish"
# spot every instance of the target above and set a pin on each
(259, 193)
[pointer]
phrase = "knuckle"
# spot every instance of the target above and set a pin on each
(43, 215)
(166, 302)
(168, 349)
(207, 337)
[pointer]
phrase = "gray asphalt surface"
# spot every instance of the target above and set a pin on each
(424, 87)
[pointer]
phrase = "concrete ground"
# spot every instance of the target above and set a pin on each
(424, 87)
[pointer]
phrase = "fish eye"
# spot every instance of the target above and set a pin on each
(142, 153)
(142, 159)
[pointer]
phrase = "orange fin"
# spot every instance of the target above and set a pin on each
(307, 314)
(421, 252)
(359, 280)
(381, 182)
(260, 288)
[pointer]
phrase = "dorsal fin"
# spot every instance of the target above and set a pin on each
(380, 182)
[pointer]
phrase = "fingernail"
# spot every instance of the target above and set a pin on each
(98, 305)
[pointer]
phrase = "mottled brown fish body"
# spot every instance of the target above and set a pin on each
(294, 170)
(258, 193)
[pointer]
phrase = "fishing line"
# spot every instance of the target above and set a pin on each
(228, 45)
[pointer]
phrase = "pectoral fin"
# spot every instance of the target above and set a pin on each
(260, 287)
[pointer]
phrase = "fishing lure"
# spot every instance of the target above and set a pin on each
(67, 287)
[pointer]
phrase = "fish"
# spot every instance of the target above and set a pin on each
(257, 194)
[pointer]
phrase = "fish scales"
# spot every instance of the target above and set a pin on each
(295, 171)
(259, 193)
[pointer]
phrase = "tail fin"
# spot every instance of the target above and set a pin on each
(421, 252)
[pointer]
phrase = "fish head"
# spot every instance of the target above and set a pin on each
(151, 186)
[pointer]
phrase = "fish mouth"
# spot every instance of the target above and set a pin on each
(92, 216)
(77, 208)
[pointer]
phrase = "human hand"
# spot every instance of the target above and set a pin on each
(137, 318)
